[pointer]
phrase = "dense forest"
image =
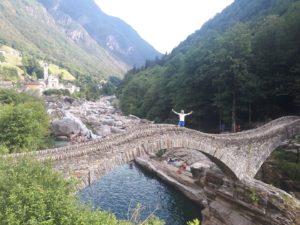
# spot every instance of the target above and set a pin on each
(243, 66)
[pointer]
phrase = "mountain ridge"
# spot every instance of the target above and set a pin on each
(51, 35)
(110, 32)
(27, 26)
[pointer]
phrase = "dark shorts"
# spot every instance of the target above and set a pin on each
(181, 123)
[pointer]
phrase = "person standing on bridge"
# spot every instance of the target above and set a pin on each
(182, 116)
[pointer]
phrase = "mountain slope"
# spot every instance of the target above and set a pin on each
(239, 11)
(28, 27)
(110, 32)
(241, 66)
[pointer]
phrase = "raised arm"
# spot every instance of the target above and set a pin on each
(189, 113)
(174, 111)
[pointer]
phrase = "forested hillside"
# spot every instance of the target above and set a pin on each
(26, 26)
(241, 67)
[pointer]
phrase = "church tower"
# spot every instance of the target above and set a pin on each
(46, 72)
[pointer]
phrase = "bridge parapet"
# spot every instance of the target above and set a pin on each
(240, 154)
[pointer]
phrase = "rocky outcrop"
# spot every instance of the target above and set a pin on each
(247, 202)
(226, 201)
(185, 184)
(65, 127)
(89, 119)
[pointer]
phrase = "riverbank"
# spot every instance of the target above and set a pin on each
(77, 120)
(184, 181)
(226, 201)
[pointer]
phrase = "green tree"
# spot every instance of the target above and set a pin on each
(24, 122)
(8, 96)
(32, 66)
(89, 88)
(233, 79)
(242, 65)
(24, 126)
(2, 58)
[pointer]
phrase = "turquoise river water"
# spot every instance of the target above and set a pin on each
(126, 186)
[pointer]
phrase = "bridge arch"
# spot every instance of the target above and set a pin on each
(238, 154)
(173, 142)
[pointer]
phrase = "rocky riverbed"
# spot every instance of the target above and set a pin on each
(226, 201)
(77, 120)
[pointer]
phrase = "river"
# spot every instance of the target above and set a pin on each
(123, 188)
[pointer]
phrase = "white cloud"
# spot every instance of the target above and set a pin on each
(164, 23)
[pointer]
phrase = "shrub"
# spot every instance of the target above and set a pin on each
(2, 58)
(8, 96)
(9, 73)
(24, 122)
(194, 222)
(59, 92)
(32, 193)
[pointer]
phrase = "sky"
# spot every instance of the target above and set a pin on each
(164, 23)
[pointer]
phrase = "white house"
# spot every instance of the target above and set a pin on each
(50, 81)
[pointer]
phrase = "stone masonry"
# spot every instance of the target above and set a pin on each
(239, 155)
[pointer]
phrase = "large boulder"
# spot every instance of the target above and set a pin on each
(118, 123)
(103, 130)
(65, 127)
(109, 122)
(116, 130)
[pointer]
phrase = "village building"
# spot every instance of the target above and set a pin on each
(34, 86)
(49, 81)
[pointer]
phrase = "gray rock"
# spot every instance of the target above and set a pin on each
(116, 130)
(92, 119)
(118, 123)
(68, 99)
(109, 122)
(103, 130)
(65, 127)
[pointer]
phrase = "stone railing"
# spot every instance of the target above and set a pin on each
(240, 154)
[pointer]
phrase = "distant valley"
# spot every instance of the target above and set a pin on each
(77, 37)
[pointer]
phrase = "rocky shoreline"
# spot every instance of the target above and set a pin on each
(184, 184)
(225, 201)
(77, 120)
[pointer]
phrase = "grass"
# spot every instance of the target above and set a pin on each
(66, 75)
(13, 60)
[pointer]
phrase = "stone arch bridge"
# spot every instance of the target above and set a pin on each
(239, 155)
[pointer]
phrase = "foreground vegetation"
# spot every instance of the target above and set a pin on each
(32, 193)
(24, 122)
(242, 66)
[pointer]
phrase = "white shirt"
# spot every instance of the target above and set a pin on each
(182, 116)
